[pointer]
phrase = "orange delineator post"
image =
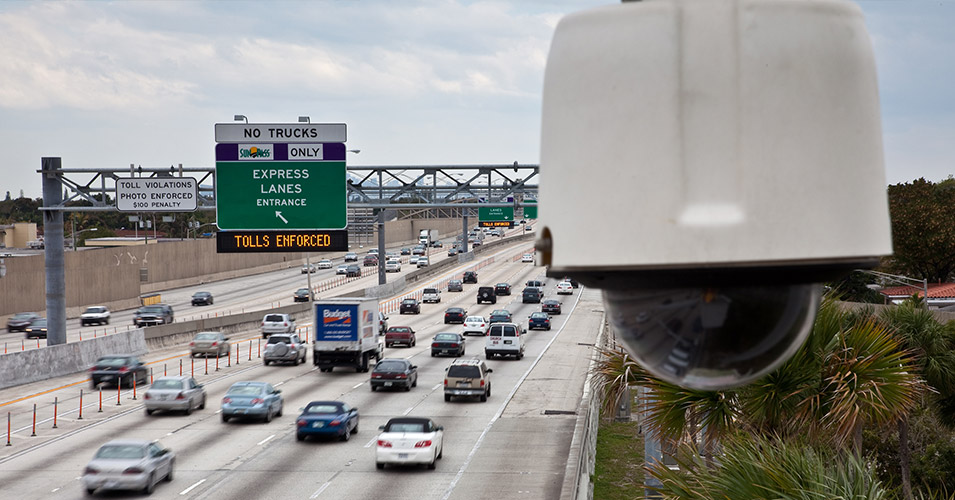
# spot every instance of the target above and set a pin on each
(81, 406)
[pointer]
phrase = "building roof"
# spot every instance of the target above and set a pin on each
(935, 291)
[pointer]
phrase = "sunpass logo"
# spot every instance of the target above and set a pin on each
(255, 152)
(336, 317)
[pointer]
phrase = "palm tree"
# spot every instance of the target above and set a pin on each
(933, 344)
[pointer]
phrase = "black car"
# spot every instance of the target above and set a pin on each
(202, 299)
(455, 286)
(452, 251)
(499, 316)
(470, 277)
(406, 251)
(502, 289)
(447, 343)
(118, 369)
(155, 314)
(37, 329)
(486, 294)
(302, 295)
(20, 321)
(455, 315)
(353, 271)
(410, 306)
(531, 295)
(550, 306)
(391, 372)
(539, 320)
(437, 244)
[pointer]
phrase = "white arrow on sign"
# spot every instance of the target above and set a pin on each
(279, 215)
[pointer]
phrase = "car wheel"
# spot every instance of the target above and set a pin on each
(432, 465)
(149, 412)
(279, 414)
(373, 388)
(225, 418)
(408, 388)
(202, 405)
(432, 354)
(415, 383)
(483, 397)
(188, 409)
(150, 485)
(447, 398)
(379, 465)
(168, 477)
(441, 451)
(265, 362)
(414, 342)
(268, 415)
(299, 437)
(90, 491)
(355, 429)
(346, 436)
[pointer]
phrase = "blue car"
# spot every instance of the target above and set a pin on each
(327, 418)
(252, 400)
(539, 320)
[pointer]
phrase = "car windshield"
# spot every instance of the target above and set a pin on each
(464, 371)
(23, 316)
(39, 323)
(302, 291)
(390, 366)
(455, 310)
(503, 285)
(323, 409)
(446, 336)
(509, 331)
(121, 451)
(95, 309)
(207, 336)
(539, 315)
(408, 301)
(151, 309)
(274, 318)
(166, 383)
(475, 319)
(245, 390)
(275, 339)
(405, 427)
(201, 294)
(399, 329)
(112, 361)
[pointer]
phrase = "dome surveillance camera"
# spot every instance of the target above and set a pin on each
(723, 158)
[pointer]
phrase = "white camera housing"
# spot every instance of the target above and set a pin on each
(712, 157)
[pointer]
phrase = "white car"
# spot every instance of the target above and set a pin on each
(342, 269)
(324, 264)
(413, 259)
(527, 257)
(393, 266)
(308, 268)
(422, 261)
(409, 441)
(476, 325)
(565, 288)
(277, 323)
(95, 314)
(126, 464)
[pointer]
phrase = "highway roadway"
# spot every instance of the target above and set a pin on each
(508, 447)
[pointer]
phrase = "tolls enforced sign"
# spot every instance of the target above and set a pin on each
(157, 194)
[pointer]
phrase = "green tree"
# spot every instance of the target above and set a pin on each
(923, 229)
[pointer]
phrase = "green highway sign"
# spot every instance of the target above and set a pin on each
(495, 214)
(275, 186)
(530, 212)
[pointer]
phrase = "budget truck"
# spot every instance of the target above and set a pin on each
(346, 334)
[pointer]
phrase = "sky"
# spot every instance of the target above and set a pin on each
(109, 84)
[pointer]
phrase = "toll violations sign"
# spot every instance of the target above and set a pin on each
(157, 194)
(281, 241)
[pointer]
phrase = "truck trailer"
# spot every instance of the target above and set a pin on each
(346, 334)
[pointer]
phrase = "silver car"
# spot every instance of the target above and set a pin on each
(252, 399)
(128, 464)
(210, 343)
(284, 348)
(180, 393)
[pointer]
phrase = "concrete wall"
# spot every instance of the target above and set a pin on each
(23, 367)
(111, 276)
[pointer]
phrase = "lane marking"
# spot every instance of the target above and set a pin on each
(437, 387)
(266, 440)
(373, 441)
(319, 491)
(358, 385)
(194, 486)
(408, 411)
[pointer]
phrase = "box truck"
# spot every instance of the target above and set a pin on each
(346, 334)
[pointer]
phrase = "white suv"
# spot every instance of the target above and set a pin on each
(95, 314)
(431, 295)
(277, 323)
(284, 348)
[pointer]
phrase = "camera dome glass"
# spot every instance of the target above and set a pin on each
(713, 338)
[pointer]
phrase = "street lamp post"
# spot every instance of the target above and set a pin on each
(74, 233)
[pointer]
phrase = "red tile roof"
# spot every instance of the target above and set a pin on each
(935, 291)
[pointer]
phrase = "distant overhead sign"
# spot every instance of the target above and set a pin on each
(157, 194)
(281, 132)
(530, 212)
(495, 214)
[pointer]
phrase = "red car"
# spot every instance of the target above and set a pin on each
(400, 335)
